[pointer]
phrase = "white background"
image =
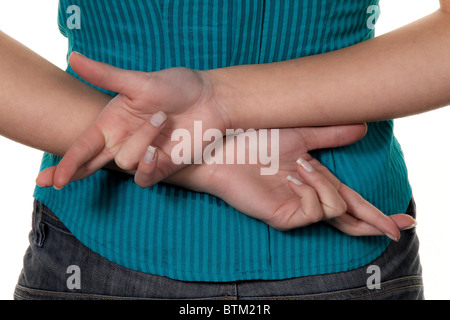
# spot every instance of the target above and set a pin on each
(424, 138)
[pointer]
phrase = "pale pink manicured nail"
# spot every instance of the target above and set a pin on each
(305, 164)
(150, 155)
(158, 119)
(295, 181)
(390, 236)
(410, 227)
(40, 185)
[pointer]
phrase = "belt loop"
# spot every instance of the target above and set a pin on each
(38, 226)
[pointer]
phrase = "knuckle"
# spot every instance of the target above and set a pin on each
(337, 211)
(125, 163)
(341, 208)
(360, 201)
(312, 210)
(314, 215)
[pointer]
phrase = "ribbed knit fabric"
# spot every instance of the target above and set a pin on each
(184, 235)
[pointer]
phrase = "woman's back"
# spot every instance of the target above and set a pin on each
(169, 231)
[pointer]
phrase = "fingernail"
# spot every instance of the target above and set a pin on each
(58, 188)
(390, 236)
(150, 155)
(77, 53)
(410, 227)
(305, 164)
(158, 119)
(40, 185)
(295, 181)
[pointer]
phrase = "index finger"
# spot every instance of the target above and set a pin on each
(361, 209)
(85, 149)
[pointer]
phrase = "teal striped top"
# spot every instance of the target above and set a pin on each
(173, 232)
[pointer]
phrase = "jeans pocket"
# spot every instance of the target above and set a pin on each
(43, 218)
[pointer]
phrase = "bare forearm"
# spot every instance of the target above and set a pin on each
(41, 105)
(398, 74)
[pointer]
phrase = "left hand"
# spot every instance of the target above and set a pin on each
(136, 119)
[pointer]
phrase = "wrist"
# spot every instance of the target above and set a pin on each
(197, 178)
(224, 96)
(243, 92)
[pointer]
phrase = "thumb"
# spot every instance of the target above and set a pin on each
(333, 136)
(106, 76)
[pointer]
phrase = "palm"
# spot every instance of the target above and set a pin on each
(269, 197)
(272, 200)
(178, 92)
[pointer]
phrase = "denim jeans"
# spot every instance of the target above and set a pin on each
(57, 266)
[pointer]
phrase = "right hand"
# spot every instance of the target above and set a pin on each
(285, 205)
